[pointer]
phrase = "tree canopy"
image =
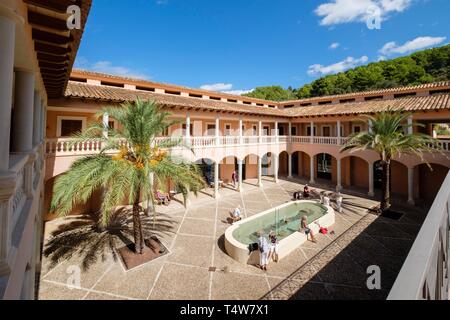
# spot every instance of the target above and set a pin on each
(426, 66)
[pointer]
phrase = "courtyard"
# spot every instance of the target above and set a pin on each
(197, 267)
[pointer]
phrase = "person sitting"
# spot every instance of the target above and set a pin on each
(273, 246)
(326, 200)
(236, 215)
(306, 192)
(297, 195)
(162, 198)
(304, 227)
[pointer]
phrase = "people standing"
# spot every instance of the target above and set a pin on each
(304, 227)
(263, 251)
(273, 246)
(234, 178)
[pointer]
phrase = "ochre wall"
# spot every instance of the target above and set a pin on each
(399, 179)
(359, 172)
(431, 181)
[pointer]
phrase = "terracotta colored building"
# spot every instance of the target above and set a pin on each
(42, 102)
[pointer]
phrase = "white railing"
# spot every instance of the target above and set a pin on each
(66, 146)
(424, 275)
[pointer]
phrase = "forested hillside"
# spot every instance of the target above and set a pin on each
(421, 67)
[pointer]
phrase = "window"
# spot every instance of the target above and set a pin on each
(266, 130)
(255, 130)
(227, 129)
(308, 130)
(210, 129)
(356, 129)
(293, 131)
(191, 129)
(326, 131)
(111, 124)
(67, 126)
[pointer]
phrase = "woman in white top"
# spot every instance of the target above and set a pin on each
(263, 251)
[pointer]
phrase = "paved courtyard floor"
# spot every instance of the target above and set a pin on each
(198, 267)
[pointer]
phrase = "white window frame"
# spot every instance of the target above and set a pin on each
(227, 133)
(356, 125)
(59, 120)
(207, 130)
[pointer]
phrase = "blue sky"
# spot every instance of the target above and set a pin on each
(235, 45)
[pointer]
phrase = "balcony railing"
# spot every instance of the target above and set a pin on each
(66, 146)
(424, 275)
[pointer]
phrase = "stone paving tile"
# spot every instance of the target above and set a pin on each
(203, 212)
(197, 227)
(89, 277)
(181, 283)
(192, 250)
(50, 291)
(103, 296)
(134, 283)
(236, 286)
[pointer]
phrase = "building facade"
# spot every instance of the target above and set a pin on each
(37, 51)
(43, 102)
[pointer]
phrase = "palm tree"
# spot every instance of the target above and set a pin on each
(387, 137)
(124, 176)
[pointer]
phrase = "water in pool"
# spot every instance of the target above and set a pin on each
(284, 221)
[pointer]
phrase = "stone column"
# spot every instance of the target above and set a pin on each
(339, 175)
(260, 172)
(217, 130)
(259, 131)
(338, 132)
(23, 112)
(289, 166)
(311, 170)
(276, 166)
(241, 133)
(7, 41)
(188, 129)
(410, 125)
(240, 164)
(411, 186)
(276, 132)
(312, 131)
(7, 186)
(37, 122)
(371, 189)
(43, 121)
(216, 180)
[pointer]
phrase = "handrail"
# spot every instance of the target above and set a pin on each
(424, 275)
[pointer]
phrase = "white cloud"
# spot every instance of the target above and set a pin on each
(217, 87)
(391, 48)
(238, 92)
(348, 63)
(335, 45)
(224, 88)
(345, 11)
(109, 68)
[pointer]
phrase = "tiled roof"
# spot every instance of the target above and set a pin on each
(426, 86)
(78, 73)
(435, 102)
(107, 93)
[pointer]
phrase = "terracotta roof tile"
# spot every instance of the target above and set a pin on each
(112, 94)
(107, 93)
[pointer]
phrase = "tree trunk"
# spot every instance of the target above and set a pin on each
(386, 190)
(137, 227)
